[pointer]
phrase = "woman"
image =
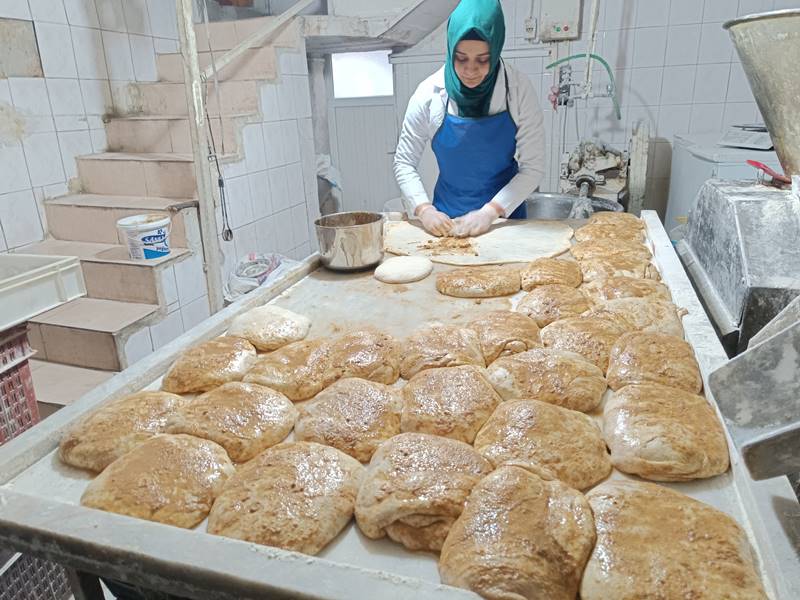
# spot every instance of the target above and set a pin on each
(486, 129)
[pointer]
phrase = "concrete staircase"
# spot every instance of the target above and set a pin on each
(147, 168)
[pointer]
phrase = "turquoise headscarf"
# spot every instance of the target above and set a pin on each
(485, 19)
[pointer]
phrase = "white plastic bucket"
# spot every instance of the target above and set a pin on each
(147, 235)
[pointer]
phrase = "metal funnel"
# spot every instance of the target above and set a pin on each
(769, 48)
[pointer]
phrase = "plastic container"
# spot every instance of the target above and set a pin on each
(147, 235)
(31, 284)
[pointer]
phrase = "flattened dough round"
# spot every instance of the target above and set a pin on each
(549, 303)
(115, 429)
(296, 496)
(404, 269)
(435, 345)
(270, 327)
(612, 288)
(171, 479)
(479, 282)
(664, 433)
(209, 365)
(662, 544)
(654, 358)
(551, 271)
(564, 442)
(520, 537)
(591, 337)
(353, 415)
(243, 418)
(506, 242)
(505, 332)
(415, 488)
(451, 402)
(557, 377)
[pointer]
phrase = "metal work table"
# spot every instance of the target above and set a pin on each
(40, 514)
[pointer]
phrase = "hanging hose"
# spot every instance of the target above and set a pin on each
(603, 62)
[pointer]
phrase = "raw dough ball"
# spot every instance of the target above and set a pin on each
(404, 269)
(270, 327)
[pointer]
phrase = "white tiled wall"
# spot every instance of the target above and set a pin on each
(86, 47)
(272, 193)
(675, 67)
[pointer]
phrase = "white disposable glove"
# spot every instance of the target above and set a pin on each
(435, 222)
(476, 222)
(581, 209)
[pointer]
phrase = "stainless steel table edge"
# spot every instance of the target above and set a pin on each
(771, 513)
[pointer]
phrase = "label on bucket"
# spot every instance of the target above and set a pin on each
(148, 244)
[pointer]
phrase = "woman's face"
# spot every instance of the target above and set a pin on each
(471, 61)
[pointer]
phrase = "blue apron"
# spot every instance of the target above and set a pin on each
(476, 161)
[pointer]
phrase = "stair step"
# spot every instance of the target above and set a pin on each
(255, 64)
(109, 272)
(169, 98)
(148, 133)
(93, 217)
(90, 332)
(225, 35)
(157, 174)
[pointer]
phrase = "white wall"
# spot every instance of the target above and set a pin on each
(674, 64)
(90, 50)
(272, 193)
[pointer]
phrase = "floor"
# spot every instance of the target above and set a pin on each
(59, 385)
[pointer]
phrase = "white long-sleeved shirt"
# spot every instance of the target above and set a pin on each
(426, 112)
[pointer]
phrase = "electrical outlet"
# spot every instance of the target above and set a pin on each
(531, 25)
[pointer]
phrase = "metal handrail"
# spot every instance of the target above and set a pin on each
(255, 38)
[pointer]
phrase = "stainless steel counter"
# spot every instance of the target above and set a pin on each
(39, 511)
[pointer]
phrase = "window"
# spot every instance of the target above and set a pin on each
(362, 74)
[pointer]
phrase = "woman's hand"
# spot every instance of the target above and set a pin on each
(435, 222)
(476, 222)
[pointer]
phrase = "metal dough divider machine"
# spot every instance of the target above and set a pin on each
(741, 249)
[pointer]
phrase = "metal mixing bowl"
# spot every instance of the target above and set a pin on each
(554, 207)
(350, 241)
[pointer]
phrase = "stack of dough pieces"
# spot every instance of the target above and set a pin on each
(479, 282)
(415, 487)
(436, 345)
(296, 496)
(520, 537)
(549, 303)
(209, 365)
(353, 415)
(664, 434)
(550, 271)
(653, 542)
(545, 437)
(504, 332)
(243, 418)
(452, 402)
(554, 376)
(171, 479)
(115, 429)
